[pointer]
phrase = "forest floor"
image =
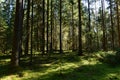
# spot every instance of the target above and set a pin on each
(66, 66)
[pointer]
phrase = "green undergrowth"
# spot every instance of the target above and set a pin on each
(67, 66)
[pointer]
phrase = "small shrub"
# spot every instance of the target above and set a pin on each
(111, 59)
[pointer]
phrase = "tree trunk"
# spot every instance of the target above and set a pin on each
(51, 44)
(80, 29)
(60, 26)
(27, 28)
(118, 24)
(112, 29)
(17, 34)
(103, 26)
(47, 24)
(43, 28)
(73, 29)
(89, 29)
(31, 50)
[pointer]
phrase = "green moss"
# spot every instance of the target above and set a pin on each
(56, 68)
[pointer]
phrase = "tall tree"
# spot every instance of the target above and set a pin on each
(60, 26)
(73, 28)
(43, 27)
(47, 25)
(27, 28)
(103, 25)
(97, 32)
(17, 35)
(112, 28)
(89, 28)
(118, 21)
(31, 49)
(51, 44)
(80, 29)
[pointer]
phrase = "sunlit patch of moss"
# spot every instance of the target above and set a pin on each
(10, 77)
(5, 60)
(61, 69)
(113, 76)
(89, 61)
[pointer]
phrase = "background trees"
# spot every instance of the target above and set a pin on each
(50, 26)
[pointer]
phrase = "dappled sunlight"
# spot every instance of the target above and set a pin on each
(114, 76)
(66, 66)
(59, 40)
(62, 68)
(90, 61)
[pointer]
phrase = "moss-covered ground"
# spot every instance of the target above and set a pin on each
(67, 66)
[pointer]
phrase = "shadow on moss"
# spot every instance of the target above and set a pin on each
(85, 72)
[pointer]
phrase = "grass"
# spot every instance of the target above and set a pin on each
(60, 67)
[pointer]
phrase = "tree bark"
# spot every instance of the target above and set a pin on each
(27, 28)
(60, 26)
(73, 29)
(51, 43)
(118, 20)
(31, 49)
(47, 24)
(80, 29)
(103, 26)
(17, 34)
(112, 29)
(89, 29)
(43, 28)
